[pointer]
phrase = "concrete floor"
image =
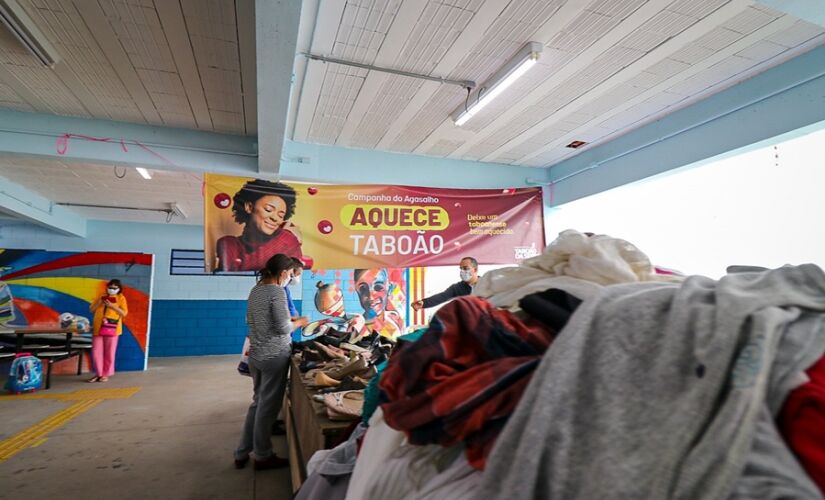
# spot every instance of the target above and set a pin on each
(172, 439)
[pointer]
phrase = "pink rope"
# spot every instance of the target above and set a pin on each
(62, 145)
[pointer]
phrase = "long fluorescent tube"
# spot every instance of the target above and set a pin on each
(143, 173)
(513, 70)
(24, 29)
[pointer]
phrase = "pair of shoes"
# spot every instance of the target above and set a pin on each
(350, 383)
(103, 379)
(272, 462)
(240, 463)
(354, 367)
(345, 405)
(93, 380)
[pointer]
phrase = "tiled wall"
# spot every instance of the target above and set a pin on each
(198, 327)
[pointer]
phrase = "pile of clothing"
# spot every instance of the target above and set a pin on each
(587, 372)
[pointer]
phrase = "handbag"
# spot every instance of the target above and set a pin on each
(108, 328)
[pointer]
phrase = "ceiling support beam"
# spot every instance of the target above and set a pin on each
(98, 142)
(327, 19)
(812, 11)
(108, 142)
(276, 36)
(21, 203)
(781, 100)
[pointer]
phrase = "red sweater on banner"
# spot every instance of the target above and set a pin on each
(802, 423)
(235, 254)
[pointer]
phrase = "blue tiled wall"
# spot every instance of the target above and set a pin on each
(198, 327)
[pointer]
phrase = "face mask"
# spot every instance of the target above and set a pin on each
(113, 291)
(296, 280)
(466, 275)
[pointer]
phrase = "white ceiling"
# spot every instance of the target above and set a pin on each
(172, 63)
(99, 185)
(608, 66)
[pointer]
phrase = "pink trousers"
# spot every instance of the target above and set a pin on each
(103, 355)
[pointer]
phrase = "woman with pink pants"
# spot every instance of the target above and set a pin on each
(109, 311)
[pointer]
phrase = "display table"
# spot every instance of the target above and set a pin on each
(307, 427)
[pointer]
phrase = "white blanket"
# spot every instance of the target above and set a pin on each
(575, 263)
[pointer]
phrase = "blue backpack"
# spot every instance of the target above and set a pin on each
(25, 375)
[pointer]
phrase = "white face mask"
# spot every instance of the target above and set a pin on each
(113, 291)
(466, 275)
(296, 280)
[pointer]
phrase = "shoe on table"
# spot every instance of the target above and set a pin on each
(272, 462)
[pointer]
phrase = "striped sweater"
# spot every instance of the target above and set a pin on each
(267, 315)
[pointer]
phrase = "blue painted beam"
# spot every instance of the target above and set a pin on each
(338, 165)
(42, 135)
(812, 11)
(777, 101)
(80, 139)
(276, 36)
(21, 203)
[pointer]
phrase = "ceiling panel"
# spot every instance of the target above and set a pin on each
(607, 67)
(99, 185)
(118, 61)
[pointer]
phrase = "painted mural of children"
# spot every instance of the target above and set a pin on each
(382, 299)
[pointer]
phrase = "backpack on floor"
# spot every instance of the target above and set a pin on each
(25, 375)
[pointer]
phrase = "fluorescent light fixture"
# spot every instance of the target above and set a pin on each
(143, 173)
(24, 29)
(518, 65)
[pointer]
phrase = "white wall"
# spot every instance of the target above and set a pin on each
(157, 239)
(762, 207)
(438, 279)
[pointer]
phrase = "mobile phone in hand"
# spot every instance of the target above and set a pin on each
(111, 299)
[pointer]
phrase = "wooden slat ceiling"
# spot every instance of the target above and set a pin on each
(171, 63)
(608, 66)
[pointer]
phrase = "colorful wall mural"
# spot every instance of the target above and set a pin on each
(45, 284)
(377, 296)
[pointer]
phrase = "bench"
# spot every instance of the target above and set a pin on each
(51, 357)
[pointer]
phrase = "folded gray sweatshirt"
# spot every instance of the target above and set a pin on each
(657, 391)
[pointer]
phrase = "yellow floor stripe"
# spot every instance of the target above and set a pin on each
(38, 432)
(79, 395)
(83, 400)
(35, 445)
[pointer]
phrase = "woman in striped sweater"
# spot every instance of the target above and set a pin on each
(270, 345)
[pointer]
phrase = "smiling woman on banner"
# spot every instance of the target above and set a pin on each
(264, 208)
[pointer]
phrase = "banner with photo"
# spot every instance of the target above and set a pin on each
(365, 226)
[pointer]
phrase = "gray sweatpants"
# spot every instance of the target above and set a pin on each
(269, 383)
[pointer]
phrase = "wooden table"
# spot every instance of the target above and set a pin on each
(307, 427)
(22, 331)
